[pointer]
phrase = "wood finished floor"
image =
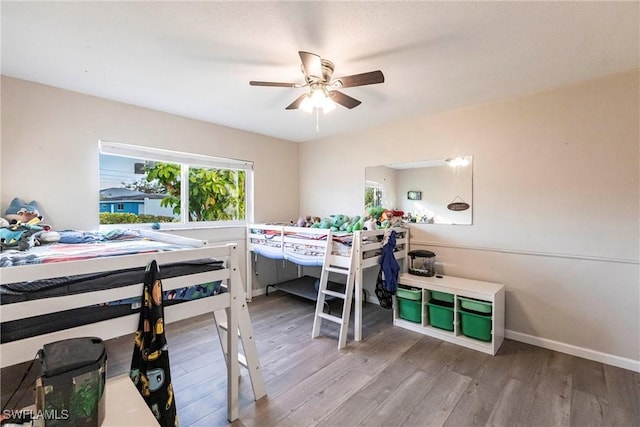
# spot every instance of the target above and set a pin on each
(394, 377)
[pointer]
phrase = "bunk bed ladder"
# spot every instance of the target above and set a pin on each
(249, 357)
(323, 292)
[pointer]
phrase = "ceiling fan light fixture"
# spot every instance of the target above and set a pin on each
(307, 104)
(328, 105)
(318, 96)
(318, 77)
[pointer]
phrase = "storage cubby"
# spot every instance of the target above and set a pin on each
(461, 311)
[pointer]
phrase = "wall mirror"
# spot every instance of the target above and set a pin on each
(428, 192)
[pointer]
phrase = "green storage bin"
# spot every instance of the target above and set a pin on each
(410, 310)
(442, 296)
(440, 315)
(476, 326)
(475, 305)
(412, 294)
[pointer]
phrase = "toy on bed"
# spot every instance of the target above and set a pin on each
(374, 219)
(22, 226)
(380, 217)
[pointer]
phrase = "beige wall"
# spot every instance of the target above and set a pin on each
(556, 205)
(556, 191)
(50, 151)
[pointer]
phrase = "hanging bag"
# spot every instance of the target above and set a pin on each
(385, 298)
(150, 361)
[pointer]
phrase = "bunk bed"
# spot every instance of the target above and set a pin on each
(49, 291)
(315, 247)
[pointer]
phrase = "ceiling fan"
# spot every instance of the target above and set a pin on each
(323, 93)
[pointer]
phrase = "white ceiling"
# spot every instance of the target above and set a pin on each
(195, 59)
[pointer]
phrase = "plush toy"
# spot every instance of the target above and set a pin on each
(348, 226)
(370, 224)
(359, 224)
(23, 228)
(301, 222)
(308, 221)
(29, 217)
(324, 223)
(20, 211)
(336, 221)
(376, 213)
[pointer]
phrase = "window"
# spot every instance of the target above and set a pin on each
(372, 195)
(148, 185)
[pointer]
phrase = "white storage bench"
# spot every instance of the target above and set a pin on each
(461, 311)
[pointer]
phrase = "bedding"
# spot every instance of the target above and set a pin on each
(300, 246)
(93, 245)
(80, 246)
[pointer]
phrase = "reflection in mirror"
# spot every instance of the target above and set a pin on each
(428, 192)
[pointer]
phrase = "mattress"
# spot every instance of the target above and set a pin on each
(72, 285)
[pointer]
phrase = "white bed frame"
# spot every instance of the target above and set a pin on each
(231, 301)
(363, 243)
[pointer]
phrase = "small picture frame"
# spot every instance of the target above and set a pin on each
(414, 195)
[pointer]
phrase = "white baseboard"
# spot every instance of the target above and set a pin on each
(585, 353)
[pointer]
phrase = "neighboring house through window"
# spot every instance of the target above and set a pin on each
(150, 185)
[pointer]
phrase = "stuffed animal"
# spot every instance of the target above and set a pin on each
(359, 224)
(376, 213)
(301, 222)
(308, 221)
(337, 221)
(23, 227)
(324, 223)
(370, 224)
(20, 211)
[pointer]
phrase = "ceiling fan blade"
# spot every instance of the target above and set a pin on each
(275, 84)
(344, 100)
(370, 78)
(296, 104)
(311, 64)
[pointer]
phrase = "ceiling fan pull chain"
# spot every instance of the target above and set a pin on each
(317, 120)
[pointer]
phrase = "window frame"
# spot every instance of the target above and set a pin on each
(186, 161)
(377, 191)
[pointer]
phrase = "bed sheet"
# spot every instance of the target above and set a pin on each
(61, 252)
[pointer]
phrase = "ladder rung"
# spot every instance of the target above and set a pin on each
(334, 294)
(243, 360)
(223, 326)
(337, 270)
(331, 317)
